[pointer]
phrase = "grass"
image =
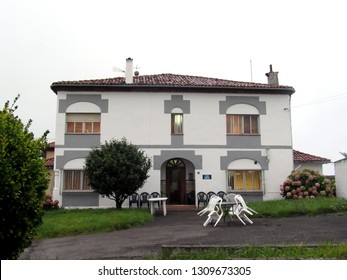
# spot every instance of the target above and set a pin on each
(322, 251)
(286, 208)
(62, 222)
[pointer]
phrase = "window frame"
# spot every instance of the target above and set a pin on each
(236, 124)
(176, 128)
(77, 175)
(256, 184)
(77, 123)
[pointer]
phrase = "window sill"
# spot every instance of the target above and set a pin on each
(83, 133)
(77, 191)
(244, 191)
(228, 134)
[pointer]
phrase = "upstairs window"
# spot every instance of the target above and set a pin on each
(242, 124)
(176, 123)
(77, 123)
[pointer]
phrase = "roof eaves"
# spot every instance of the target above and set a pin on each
(55, 87)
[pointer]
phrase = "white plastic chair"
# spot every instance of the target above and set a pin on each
(207, 209)
(241, 209)
(215, 211)
(239, 212)
(231, 198)
(243, 203)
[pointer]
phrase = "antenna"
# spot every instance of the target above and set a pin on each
(137, 73)
(116, 69)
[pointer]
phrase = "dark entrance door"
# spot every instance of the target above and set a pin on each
(176, 181)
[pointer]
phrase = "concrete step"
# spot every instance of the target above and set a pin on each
(180, 207)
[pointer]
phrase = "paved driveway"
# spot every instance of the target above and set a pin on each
(185, 228)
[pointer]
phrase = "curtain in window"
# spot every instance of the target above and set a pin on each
(242, 124)
(245, 180)
(75, 180)
(177, 123)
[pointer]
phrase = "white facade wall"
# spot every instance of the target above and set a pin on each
(310, 165)
(341, 178)
(141, 119)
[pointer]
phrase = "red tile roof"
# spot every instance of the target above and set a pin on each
(170, 80)
(49, 162)
(302, 157)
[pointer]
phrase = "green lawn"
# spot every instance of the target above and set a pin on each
(61, 222)
(290, 207)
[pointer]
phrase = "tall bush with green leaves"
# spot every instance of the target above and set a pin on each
(23, 182)
(117, 169)
(307, 183)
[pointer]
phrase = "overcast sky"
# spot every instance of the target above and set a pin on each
(45, 41)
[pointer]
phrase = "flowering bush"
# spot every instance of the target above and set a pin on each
(49, 204)
(308, 184)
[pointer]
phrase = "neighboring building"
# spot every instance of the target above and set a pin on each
(303, 160)
(202, 134)
(50, 164)
(341, 178)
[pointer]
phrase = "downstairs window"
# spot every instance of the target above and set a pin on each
(244, 180)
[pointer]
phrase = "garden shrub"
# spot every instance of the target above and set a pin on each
(308, 184)
(49, 204)
(23, 183)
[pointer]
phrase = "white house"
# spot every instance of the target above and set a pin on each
(202, 134)
(341, 178)
(304, 160)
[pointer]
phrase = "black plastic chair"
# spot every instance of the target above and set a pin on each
(202, 198)
(144, 199)
(209, 194)
(154, 195)
(190, 198)
(222, 194)
(134, 199)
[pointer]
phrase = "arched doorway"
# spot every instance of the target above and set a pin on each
(176, 181)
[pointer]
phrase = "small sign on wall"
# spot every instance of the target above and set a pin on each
(206, 176)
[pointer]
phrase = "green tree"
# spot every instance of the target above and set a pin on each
(23, 181)
(117, 169)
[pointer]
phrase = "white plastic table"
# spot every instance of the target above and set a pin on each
(156, 199)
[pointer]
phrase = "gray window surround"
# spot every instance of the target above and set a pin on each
(165, 155)
(177, 102)
(252, 155)
(81, 140)
(60, 161)
(249, 100)
(250, 195)
(80, 199)
(74, 98)
(243, 141)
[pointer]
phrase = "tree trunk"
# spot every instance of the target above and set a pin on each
(119, 203)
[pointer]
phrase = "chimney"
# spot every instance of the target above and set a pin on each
(129, 71)
(272, 77)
